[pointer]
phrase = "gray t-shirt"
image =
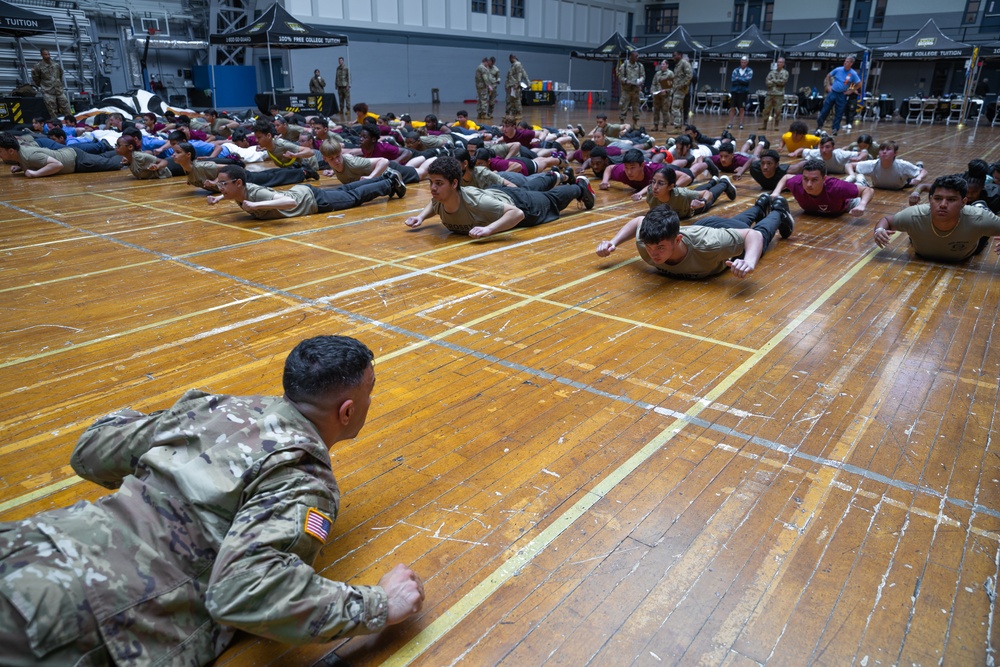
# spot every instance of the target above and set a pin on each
(483, 178)
(708, 249)
(34, 158)
(837, 162)
(141, 163)
(952, 246)
(355, 168)
(201, 171)
(477, 208)
(305, 201)
(895, 178)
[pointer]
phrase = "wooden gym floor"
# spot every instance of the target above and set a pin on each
(588, 463)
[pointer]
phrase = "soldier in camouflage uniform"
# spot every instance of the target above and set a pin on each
(48, 76)
(484, 81)
(662, 91)
(223, 504)
(682, 81)
(515, 77)
(631, 76)
(494, 85)
(775, 101)
(342, 80)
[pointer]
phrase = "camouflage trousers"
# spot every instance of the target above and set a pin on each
(513, 105)
(773, 103)
(57, 105)
(344, 93)
(661, 106)
(677, 107)
(482, 102)
(629, 99)
(43, 617)
(492, 103)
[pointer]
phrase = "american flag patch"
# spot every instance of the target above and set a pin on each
(317, 524)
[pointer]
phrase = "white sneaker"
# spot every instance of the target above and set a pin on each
(847, 127)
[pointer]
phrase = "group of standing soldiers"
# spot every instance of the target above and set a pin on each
(487, 82)
(669, 89)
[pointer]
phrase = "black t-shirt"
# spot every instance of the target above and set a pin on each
(764, 182)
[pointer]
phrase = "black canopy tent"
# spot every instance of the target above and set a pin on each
(832, 43)
(18, 23)
(928, 43)
(749, 44)
(679, 39)
(279, 29)
(612, 50)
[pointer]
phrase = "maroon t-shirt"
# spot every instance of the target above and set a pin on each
(648, 169)
(832, 201)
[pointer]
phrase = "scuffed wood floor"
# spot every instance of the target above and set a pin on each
(587, 462)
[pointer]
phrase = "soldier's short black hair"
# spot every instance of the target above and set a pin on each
(956, 183)
(814, 165)
(319, 366)
(448, 167)
(588, 145)
(599, 152)
(660, 224)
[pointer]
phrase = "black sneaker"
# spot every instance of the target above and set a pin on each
(753, 140)
(570, 174)
(713, 169)
(587, 197)
(730, 188)
(764, 203)
(579, 130)
(310, 174)
(787, 224)
(726, 135)
(576, 142)
(396, 179)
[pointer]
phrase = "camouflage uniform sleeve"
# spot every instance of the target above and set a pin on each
(263, 581)
(110, 448)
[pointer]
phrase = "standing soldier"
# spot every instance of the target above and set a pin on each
(343, 83)
(682, 81)
(317, 84)
(484, 84)
(661, 89)
(494, 85)
(48, 77)
(515, 77)
(631, 76)
(776, 80)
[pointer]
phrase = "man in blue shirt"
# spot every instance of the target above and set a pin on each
(739, 90)
(839, 83)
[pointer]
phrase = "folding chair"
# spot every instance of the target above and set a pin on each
(914, 110)
(927, 110)
(954, 111)
(715, 103)
(791, 106)
(700, 103)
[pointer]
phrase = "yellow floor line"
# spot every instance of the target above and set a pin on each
(452, 616)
